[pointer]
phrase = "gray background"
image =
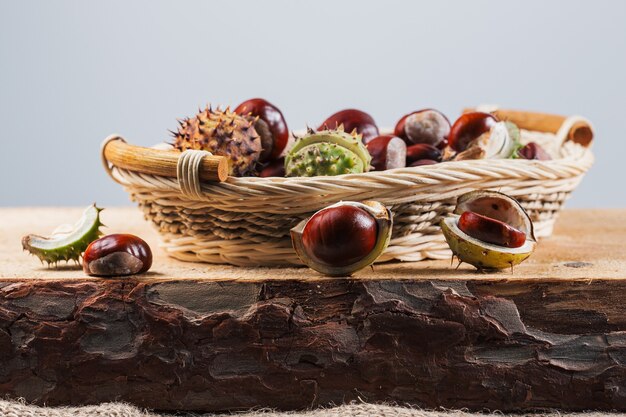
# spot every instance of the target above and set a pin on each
(72, 72)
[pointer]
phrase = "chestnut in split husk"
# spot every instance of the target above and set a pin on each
(343, 238)
(270, 125)
(117, 255)
(388, 152)
(424, 126)
(352, 119)
(480, 135)
(489, 230)
(468, 127)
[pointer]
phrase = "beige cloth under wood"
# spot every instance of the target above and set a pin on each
(19, 409)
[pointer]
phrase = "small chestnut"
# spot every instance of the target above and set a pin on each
(352, 119)
(533, 150)
(343, 238)
(423, 126)
(387, 151)
(274, 168)
(469, 127)
(422, 151)
(117, 255)
(491, 230)
(421, 162)
(271, 126)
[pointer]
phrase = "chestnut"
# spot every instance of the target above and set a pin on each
(423, 126)
(352, 119)
(274, 168)
(270, 125)
(491, 230)
(469, 127)
(422, 151)
(343, 238)
(387, 151)
(421, 162)
(117, 255)
(533, 150)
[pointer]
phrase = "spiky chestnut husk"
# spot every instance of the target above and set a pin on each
(222, 133)
(484, 255)
(68, 244)
(327, 152)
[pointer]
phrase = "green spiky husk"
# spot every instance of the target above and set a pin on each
(328, 152)
(323, 159)
(66, 250)
(222, 133)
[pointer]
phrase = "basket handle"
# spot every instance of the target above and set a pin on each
(117, 152)
(574, 128)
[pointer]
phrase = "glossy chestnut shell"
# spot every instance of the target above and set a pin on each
(387, 151)
(469, 127)
(491, 230)
(340, 235)
(117, 255)
(271, 126)
(343, 238)
(422, 162)
(274, 168)
(422, 151)
(533, 150)
(352, 119)
(423, 126)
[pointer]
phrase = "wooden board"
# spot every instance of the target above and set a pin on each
(594, 238)
(550, 334)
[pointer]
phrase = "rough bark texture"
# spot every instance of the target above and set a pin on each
(198, 345)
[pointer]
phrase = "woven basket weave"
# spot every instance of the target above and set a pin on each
(246, 221)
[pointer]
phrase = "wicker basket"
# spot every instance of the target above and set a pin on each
(246, 221)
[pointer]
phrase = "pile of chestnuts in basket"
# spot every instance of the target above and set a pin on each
(255, 138)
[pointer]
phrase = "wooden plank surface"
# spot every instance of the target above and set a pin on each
(586, 245)
(198, 337)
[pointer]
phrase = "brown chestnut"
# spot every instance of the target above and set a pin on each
(343, 238)
(387, 151)
(271, 126)
(491, 230)
(533, 150)
(352, 119)
(274, 168)
(117, 255)
(423, 126)
(421, 162)
(422, 151)
(469, 127)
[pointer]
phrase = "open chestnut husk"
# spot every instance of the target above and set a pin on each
(498, 233)
(343, 238)
(352, 119)
(388, 152)
(270, 125)
(117, 255)
(480, 135)
(423, 126)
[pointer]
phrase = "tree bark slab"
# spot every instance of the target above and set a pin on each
(290, 339)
